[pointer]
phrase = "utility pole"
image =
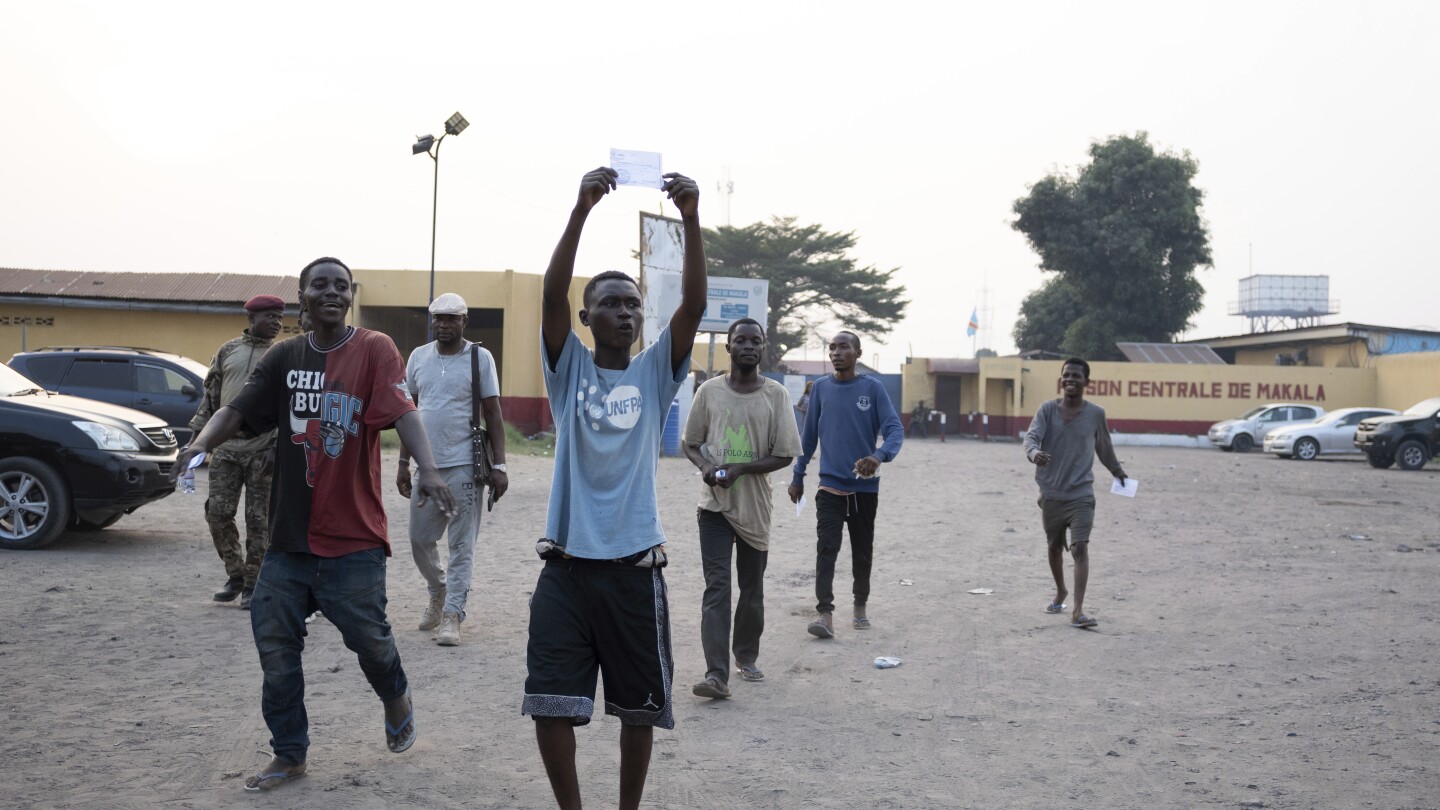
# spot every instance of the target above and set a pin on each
(726, 187)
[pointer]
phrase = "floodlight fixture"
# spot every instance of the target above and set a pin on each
(422, 144)
(456, 124)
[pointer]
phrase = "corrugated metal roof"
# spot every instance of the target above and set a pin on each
(219, 288)
(1185, 354)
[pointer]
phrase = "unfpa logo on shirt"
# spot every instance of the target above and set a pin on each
(620, 408)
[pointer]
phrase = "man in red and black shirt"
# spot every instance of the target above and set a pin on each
(329, 393)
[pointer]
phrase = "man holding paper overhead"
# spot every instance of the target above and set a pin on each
(1064, 436)
(600, 605)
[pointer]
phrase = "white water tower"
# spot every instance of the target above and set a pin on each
(1284, 302)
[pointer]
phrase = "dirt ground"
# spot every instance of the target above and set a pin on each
(1250, 653)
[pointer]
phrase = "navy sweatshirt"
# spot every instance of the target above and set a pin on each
(845, 418)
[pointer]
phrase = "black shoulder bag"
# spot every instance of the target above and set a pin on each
(479, 439)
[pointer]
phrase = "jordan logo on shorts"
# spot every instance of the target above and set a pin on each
(650, 701)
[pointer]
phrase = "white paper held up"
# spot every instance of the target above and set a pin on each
(636, 168)
(1128, 489)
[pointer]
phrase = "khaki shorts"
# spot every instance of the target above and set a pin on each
(1056, 516)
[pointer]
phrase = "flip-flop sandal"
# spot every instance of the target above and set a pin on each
(861, 623)
(1083, 621)
(400, 738)
(1056, 607)
(819, 630)
(750, 672)
(270, 781)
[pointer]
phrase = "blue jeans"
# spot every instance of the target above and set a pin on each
(351, 592)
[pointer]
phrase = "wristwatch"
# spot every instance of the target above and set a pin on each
(500, 467)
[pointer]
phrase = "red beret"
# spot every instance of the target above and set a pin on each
(260, 303)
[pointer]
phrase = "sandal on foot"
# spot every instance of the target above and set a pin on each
(750, 672)
(1056, 607)
(274, 775)
(1083, 621)
(400, 737)
(861, 623)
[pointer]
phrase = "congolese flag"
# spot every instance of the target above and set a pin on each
(974, 324)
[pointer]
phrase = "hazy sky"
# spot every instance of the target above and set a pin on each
(252, 138)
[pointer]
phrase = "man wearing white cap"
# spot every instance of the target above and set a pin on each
(442, 383)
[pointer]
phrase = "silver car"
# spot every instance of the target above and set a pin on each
(1332, 433)
(1251, 429)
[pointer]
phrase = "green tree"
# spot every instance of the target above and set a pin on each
(1045, 315)
(1124, 237)
(813, 281)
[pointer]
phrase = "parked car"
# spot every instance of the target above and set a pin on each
(67, 462)
(1409, 439)
(1332, 433)
(159, 383)
(1250, 429)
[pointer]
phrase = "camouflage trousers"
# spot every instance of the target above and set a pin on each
(229, 472)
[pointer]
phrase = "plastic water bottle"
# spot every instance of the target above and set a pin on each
(186, 482)
(720, 474)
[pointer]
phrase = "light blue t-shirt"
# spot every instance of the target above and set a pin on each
(607, 447)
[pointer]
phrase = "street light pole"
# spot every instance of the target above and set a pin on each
(430, 145)
(434, 217)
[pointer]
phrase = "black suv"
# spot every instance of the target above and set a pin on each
(159, 383)
(1410, 439)
(67, 462)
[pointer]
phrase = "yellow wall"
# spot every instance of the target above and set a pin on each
(192, 334)
(1171, 391)
(1405, 379)
(916, 383)
(1351, 353)
(198, 335)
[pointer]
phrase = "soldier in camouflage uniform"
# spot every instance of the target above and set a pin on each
(240, 462)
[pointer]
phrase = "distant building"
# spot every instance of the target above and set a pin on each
(1341, 345)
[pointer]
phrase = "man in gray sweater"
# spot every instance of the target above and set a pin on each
(1063, 437)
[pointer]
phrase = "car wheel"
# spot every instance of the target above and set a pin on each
(1307, 449)
(1411, 455)
(1242, 443)
(96, 525)
(1379, 462)
(34, 503)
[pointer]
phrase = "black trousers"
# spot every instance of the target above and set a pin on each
(833, 513)
(717, 543)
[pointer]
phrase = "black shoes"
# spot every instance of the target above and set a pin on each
(230, 591)
(245, 597)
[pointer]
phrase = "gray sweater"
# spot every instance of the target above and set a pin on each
(1069, 474)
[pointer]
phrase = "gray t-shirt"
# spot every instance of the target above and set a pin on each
(440, 385)
(1072, 445)
(733, 428)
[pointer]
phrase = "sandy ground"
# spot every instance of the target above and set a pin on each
(1250, 654)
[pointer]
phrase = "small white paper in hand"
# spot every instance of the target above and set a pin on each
(196, 461)
(799, 506)
(636, 168)
(1128, 489)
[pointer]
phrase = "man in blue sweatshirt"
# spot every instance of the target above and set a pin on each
(847, 412)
